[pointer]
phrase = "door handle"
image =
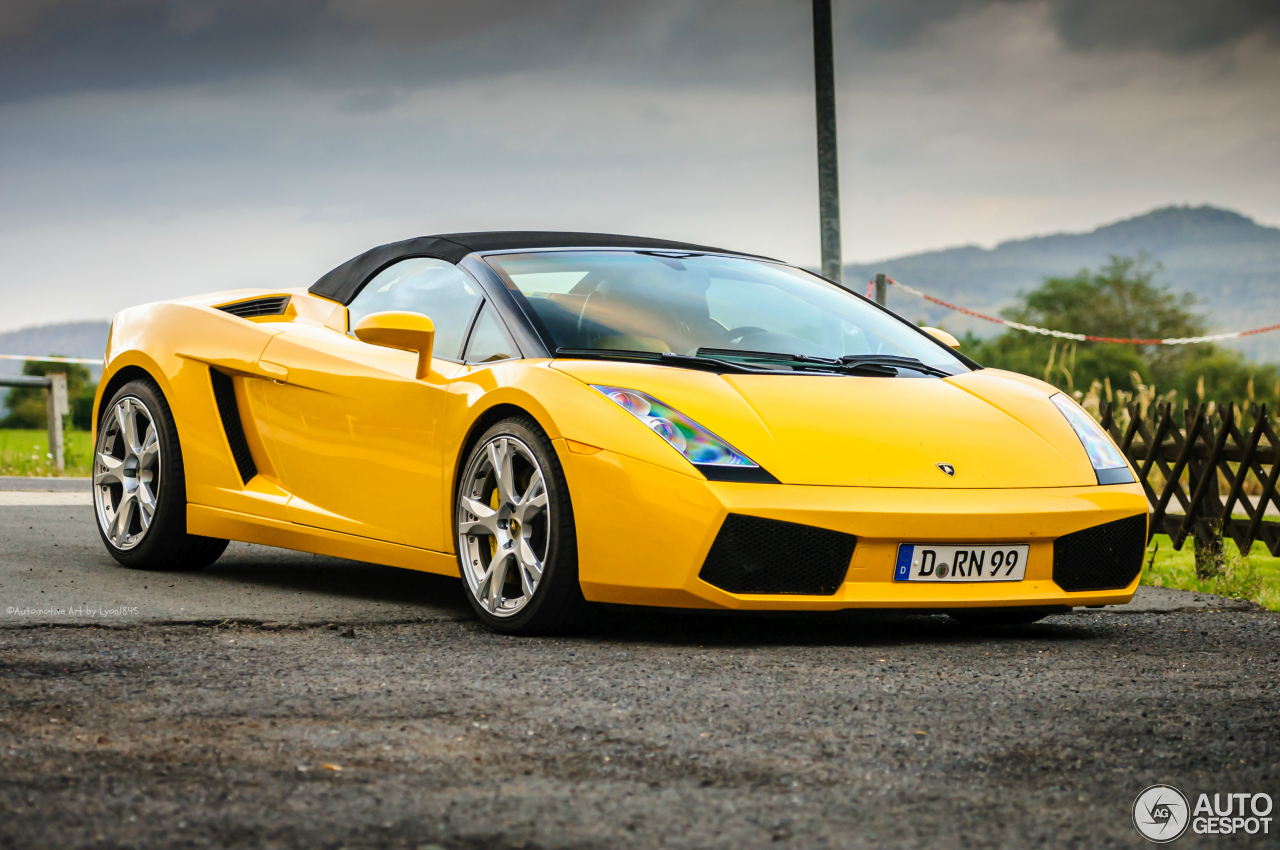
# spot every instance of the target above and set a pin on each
(274, 371)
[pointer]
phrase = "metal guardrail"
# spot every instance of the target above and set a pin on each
(56, 403)
(87, 361)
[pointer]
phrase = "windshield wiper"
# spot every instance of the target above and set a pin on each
(663, 358)
(801, 361)
(714, 360)
(885, 365)
(893, 361)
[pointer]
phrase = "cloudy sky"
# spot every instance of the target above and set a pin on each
(151, 148)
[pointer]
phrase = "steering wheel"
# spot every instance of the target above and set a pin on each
(739, 333)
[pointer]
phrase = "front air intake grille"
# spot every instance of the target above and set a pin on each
(273, 306)
(754, 555)
(1105, 557)
(224, 392)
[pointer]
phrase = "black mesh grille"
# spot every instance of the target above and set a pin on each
(754, 555)
(224, 392)
(273, 306)
(1105, 557)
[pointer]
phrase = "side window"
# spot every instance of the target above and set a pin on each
(435, 288)
(489, 341)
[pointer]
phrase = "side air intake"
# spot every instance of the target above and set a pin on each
(272, 306)
(1105, 557)
(754, 555)
(224, 392)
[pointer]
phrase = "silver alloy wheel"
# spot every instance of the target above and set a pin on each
(504, 547)
(126, 472)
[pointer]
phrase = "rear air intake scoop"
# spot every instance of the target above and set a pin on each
(274, 305)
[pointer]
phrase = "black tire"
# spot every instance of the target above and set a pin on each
(165, 543)
(998, 617)
(556, 604)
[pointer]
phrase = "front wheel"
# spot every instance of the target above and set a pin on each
(139, 489)
(517, 546)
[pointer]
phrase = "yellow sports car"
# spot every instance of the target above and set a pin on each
(572, 418)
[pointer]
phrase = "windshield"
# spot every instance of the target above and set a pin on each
(687, 304)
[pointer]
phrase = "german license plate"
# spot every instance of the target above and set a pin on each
(960, 562)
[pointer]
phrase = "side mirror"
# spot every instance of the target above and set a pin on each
(405, 331)
(942, 336)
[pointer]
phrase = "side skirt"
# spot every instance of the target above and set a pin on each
(233, 525)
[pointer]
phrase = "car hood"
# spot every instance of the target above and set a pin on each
(995, 429)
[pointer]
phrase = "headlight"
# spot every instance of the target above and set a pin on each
(1108, 463)
(713, 457)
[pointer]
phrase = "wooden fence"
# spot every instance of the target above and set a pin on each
(1207, 473)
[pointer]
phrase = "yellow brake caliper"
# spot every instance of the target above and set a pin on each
(493, 541)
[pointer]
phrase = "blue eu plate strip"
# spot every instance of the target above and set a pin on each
(903, 571)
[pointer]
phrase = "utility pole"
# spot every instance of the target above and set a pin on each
(824, 83)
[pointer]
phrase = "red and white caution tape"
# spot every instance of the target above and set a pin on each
(84, 360)
(1190, 340)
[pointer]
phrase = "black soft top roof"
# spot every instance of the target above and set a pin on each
(345, 281)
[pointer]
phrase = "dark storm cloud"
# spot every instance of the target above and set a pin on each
(53, 46)
(50, 46)
(889, 24)
(1169, 26)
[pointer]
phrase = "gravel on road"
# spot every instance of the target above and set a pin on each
(653, 730)
(284, 700)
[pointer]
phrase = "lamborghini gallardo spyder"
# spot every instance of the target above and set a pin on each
(563, 419)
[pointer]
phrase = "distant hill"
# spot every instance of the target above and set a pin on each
(1229, 261)
(73, 339)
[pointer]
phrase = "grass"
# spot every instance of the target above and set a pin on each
(24, 452)
(1254, 576)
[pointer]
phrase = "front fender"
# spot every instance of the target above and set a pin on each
(565, 407)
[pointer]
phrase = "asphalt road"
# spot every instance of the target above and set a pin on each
(189, 723)
(54, 569)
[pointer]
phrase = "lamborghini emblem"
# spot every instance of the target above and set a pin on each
(947, 468)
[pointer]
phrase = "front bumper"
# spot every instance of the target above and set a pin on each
(644, 533)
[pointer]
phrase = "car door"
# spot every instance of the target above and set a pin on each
(357, 435)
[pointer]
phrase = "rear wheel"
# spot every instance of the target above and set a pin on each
(517, 546)
(139, 489)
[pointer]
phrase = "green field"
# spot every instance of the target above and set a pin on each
(27, 453)
(1256, 577)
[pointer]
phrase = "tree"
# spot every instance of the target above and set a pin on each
(1120, 300)
(27, 405)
